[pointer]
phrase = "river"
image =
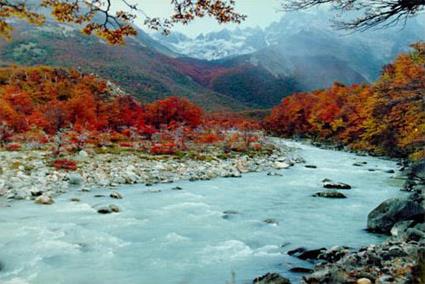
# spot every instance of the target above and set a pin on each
(183, 236)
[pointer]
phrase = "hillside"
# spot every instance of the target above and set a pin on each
(384, 118)
(138, 67)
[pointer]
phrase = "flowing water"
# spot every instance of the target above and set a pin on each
(184, 237)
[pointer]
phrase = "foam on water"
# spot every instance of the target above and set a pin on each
(184, 236)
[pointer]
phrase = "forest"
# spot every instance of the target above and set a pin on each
(383, 118)
(65, 110)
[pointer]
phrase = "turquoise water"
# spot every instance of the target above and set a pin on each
(181, 236)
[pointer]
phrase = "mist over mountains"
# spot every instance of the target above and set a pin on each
(230, 69)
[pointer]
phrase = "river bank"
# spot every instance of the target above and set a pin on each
(196, 232)
(399, 259)
(29, 175)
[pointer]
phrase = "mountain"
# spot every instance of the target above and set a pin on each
(140, 67)
(305, 47)
(215, 45)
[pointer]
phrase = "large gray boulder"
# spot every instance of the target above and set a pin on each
(271, 278)
(418, 170)
(391, 211)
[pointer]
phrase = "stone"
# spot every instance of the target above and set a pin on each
(364, 281)
(329, 194)
(114, 208)
(75, 199)
(301, 270)
(108, 209)
(391, 211)
(389, 171)
(116, 195)
(336, 185)
(177, 188)
(44, 200)
(271, 278)
(75, 179)
(311, 166)
(271, 221)
(230, 212)
(274, 174)
(358, 164)
(104, 210)
(413, 234)
(83, 154)
(305, 254)
(400, 227)
(281, 165)
(36, 192)
(297, 251)
(311, 254)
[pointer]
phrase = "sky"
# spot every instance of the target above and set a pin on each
(260, 13)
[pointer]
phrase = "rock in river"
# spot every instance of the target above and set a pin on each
(44, 200)
(335, 185)
(281, 165)
(391, 211)
(271, 278)
(115, 195)
(305, 254)
(330, 194)
(108, 209)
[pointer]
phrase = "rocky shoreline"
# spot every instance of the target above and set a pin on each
(400, 259)
(27, 175)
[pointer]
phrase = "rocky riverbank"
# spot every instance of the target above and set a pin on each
(399, 259)
(29, 175)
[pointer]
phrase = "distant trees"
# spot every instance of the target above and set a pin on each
(387, 117)
(105, 19)
(52, 99)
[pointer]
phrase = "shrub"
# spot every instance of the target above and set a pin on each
(163, 149)
(64, 164)
(13, 147)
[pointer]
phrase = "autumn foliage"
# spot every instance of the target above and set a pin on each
(385, 118)
(66, 111)
(51, 99)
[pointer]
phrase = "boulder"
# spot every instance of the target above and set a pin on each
(271, 221)
(104, 210)
(74, 199)
(271, 278)
(311, 166)
(335, 185)
(228, 214)
(301, 270)
(108, 209)
(281, 165)
(364, 281)
(177, 188)
(418, 170)
(305, 254)
(44, 200)
(400, 228)
(391, 211)
(115, 195)
(36, 192)
(330, 194)
(75, 179)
